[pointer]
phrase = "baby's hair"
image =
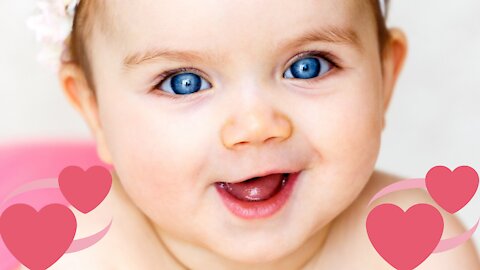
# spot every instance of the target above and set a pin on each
(84, 22)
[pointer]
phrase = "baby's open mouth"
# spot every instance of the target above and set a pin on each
(257, 197)
(257, 188)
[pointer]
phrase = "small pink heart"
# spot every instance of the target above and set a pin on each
(38, 239)
(452, 190)
(404, 239)
(85, 190)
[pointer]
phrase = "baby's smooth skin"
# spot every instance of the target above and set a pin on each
(250, 116)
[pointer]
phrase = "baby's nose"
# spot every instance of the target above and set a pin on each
(255, 126)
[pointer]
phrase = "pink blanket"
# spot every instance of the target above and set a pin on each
(23, 162)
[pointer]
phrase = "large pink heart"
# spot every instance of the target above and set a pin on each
(38, 239)
(404, 239)
(452, 190)
(85, 190)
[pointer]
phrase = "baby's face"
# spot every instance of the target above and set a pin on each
(289, 85)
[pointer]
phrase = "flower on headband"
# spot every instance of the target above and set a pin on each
(52, 26)
(384, 6)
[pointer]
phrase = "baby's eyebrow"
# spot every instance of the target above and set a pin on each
(156, 54)
(327, 35)
(330, 34)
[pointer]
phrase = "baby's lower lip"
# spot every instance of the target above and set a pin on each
(255, 209)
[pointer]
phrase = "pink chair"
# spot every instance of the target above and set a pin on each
(23, 162)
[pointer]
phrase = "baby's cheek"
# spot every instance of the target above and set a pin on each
(144, 167)
(161, 174)
(357, 145)
(347, 142)
(345, 132)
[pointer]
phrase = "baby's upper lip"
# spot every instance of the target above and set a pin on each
(263, 173)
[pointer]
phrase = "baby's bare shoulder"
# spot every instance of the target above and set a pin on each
(129, 244)
(350, 228)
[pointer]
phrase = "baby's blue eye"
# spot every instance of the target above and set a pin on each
(308, 68)
(184, 84)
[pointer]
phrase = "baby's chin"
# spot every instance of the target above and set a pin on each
(258, 247)
(259, 242)
(272, 241)
(265, 242)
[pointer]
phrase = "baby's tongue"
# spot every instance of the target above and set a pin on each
(256, 189)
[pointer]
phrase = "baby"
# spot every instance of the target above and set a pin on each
(244, 134)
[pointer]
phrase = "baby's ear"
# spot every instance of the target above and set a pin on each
(393, 58)
(74, 84)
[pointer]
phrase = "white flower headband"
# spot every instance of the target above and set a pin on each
(54, 24)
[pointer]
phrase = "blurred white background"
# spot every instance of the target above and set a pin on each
(434, 118)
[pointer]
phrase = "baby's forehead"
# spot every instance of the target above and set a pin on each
(210, 24)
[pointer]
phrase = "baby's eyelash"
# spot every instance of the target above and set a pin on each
(322, 54)
(167, 73)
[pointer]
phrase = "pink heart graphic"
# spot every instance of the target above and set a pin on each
(452, 190)
(404, 239)
(85, 190)
(38, 239)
